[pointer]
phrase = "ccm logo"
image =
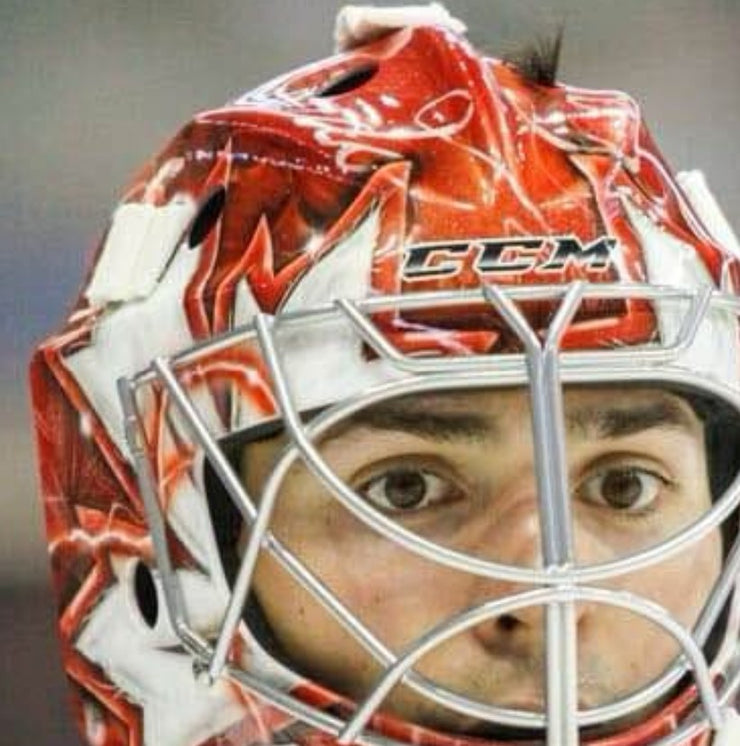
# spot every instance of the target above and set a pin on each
(506, 256)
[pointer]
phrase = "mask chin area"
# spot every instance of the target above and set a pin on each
(495, 732)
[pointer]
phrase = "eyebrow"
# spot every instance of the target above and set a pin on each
(415, 418)
(616, 422)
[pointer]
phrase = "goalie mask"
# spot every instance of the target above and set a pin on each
(401, 404)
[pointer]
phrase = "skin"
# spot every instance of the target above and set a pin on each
(458, 469)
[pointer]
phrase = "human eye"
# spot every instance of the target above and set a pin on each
(629, 489)
(408, 488)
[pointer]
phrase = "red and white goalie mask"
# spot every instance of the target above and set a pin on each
(401, 404)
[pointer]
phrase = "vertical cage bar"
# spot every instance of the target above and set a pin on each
(172, 592)
(548, 433)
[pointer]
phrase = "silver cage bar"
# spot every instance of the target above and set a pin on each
(547, 368)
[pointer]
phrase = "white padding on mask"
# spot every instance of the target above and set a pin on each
(139, 244)
(357, 24)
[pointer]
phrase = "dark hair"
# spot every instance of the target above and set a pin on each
(537, 62)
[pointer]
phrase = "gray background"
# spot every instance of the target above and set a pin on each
(90, 90)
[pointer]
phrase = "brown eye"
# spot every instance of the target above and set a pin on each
(627, 489)
(406, 489)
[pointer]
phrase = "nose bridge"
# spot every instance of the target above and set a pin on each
(519, 543)
(514, 531)
(512, 535)
(516, 537)
(511, 531)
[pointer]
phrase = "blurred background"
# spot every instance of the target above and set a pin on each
(91, 89)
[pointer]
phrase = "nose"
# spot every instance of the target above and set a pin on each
(509, 530)
(519, 633)
(513, 537)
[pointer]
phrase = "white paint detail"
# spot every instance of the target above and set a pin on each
(696, 189)
(85, 426)
(166, 172)
(127, 338)
(431, 118)
(670, 261)
(177, 711)
(372, 117)
(343, 272)
(190, 518)
(729, 733)
(358, 24)
(245, 305)
(140, 242)
(94, 723)
(243, 410)
(201, 398)
(325, 362)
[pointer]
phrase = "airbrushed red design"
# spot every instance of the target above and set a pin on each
(443, 145)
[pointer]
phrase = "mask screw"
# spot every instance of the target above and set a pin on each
(200, 672)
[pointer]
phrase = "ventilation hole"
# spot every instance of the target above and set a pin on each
(210, 211)
(349, 80)
(145, 593)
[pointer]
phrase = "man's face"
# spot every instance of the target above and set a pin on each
(459, 470)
